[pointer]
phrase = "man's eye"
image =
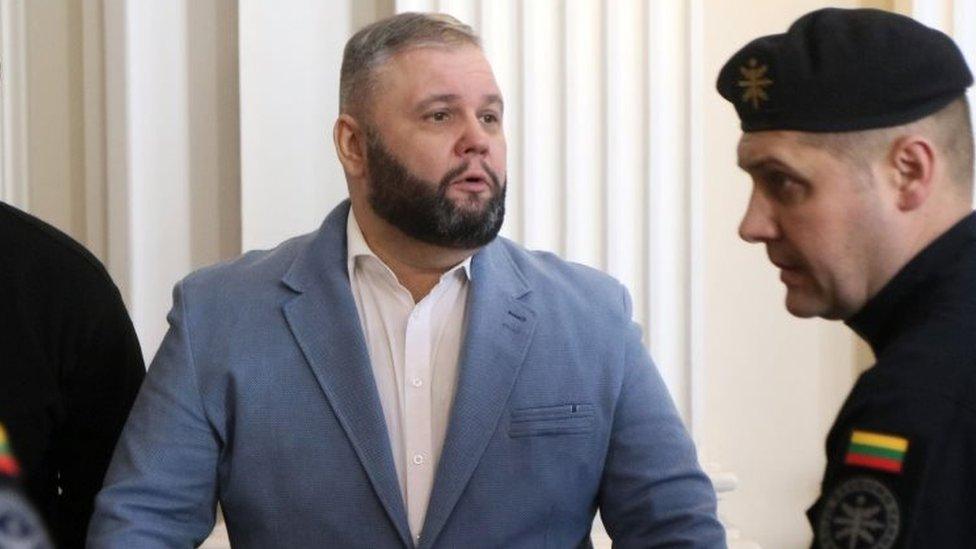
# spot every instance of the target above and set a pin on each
(490, 118)
(439, 116)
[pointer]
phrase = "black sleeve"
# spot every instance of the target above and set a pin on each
(98, 389)
(921, 497)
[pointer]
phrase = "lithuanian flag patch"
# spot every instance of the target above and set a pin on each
(8, 465)
(876, 451)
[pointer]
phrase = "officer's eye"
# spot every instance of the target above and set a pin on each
(783, 187)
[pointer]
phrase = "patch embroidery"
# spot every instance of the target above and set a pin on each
(876, 451)
(861, 513)
(754, 82)
(8, 465)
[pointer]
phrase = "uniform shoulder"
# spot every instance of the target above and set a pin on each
(924, 377)
(33, 245)
(571, 284)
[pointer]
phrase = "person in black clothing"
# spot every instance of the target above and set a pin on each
(70, 367)
(858, 139)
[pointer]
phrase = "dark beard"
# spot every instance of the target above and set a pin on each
(424, 212)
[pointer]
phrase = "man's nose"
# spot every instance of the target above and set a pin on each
(758, 224)
(474, 138)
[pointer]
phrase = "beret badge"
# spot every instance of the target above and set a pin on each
(754, 82)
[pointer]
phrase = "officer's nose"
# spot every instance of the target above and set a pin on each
(758, 223)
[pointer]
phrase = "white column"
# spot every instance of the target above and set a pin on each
(13, 104)
(668, 208)
(171, 148)
(502, 40)
(585, 187)
(625, 107)
(542, 100)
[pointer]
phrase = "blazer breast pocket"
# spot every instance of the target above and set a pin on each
(564, 419)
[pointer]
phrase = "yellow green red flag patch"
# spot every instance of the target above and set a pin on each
(8, 465)
(876, 451)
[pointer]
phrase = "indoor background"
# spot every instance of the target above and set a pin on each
(166, 135)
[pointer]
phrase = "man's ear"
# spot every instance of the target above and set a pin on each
(350, 143)
(913, 159)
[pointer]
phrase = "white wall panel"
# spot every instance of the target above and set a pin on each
(171, 148)
(290, 54)
(667, 211)
(13, 104)
(626, 135)
(158, 176)
(585, 186)
(501, 24)
(542, 100)
(416, 5)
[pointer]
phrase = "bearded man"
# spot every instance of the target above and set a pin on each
(402, 377)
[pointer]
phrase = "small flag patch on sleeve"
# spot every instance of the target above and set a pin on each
(8, 465)
(876, 451)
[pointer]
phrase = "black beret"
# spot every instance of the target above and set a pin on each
(837, 70)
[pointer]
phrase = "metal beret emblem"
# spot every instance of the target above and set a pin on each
(861, 513)
(754, 82)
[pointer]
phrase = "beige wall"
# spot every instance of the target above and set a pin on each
(72, 66)
(55, 132)
(774, 383)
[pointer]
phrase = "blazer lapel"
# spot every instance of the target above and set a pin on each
(325, 322)
(500, 327)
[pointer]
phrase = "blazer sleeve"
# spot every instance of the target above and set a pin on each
(653, 492)
(160, 489)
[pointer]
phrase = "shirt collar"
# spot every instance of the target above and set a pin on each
(903, 298)
(356, 247)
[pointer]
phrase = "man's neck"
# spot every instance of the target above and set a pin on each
(417, 265)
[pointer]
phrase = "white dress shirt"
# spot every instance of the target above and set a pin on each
(413, 350)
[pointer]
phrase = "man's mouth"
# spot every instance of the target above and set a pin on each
(472, 182)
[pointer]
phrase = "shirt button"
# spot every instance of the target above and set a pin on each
(418, 459)
(417, 382)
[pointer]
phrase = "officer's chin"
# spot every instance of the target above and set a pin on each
(802, 303)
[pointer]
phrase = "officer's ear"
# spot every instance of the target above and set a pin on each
(913, 161)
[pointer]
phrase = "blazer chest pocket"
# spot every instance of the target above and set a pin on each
(565, 419)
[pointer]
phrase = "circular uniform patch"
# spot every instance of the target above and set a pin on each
(20, 527)
(861, 513)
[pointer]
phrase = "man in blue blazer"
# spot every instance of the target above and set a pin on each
(401, 377)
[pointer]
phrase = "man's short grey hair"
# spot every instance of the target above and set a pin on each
(376, 43)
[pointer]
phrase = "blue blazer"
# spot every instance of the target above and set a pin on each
(261, 397)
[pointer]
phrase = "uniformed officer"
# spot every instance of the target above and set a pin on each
(858, 139)
(70, 368)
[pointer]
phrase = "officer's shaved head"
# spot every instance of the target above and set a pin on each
(950, 130)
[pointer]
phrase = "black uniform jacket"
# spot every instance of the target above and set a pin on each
(70, 367)
(901, 457)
